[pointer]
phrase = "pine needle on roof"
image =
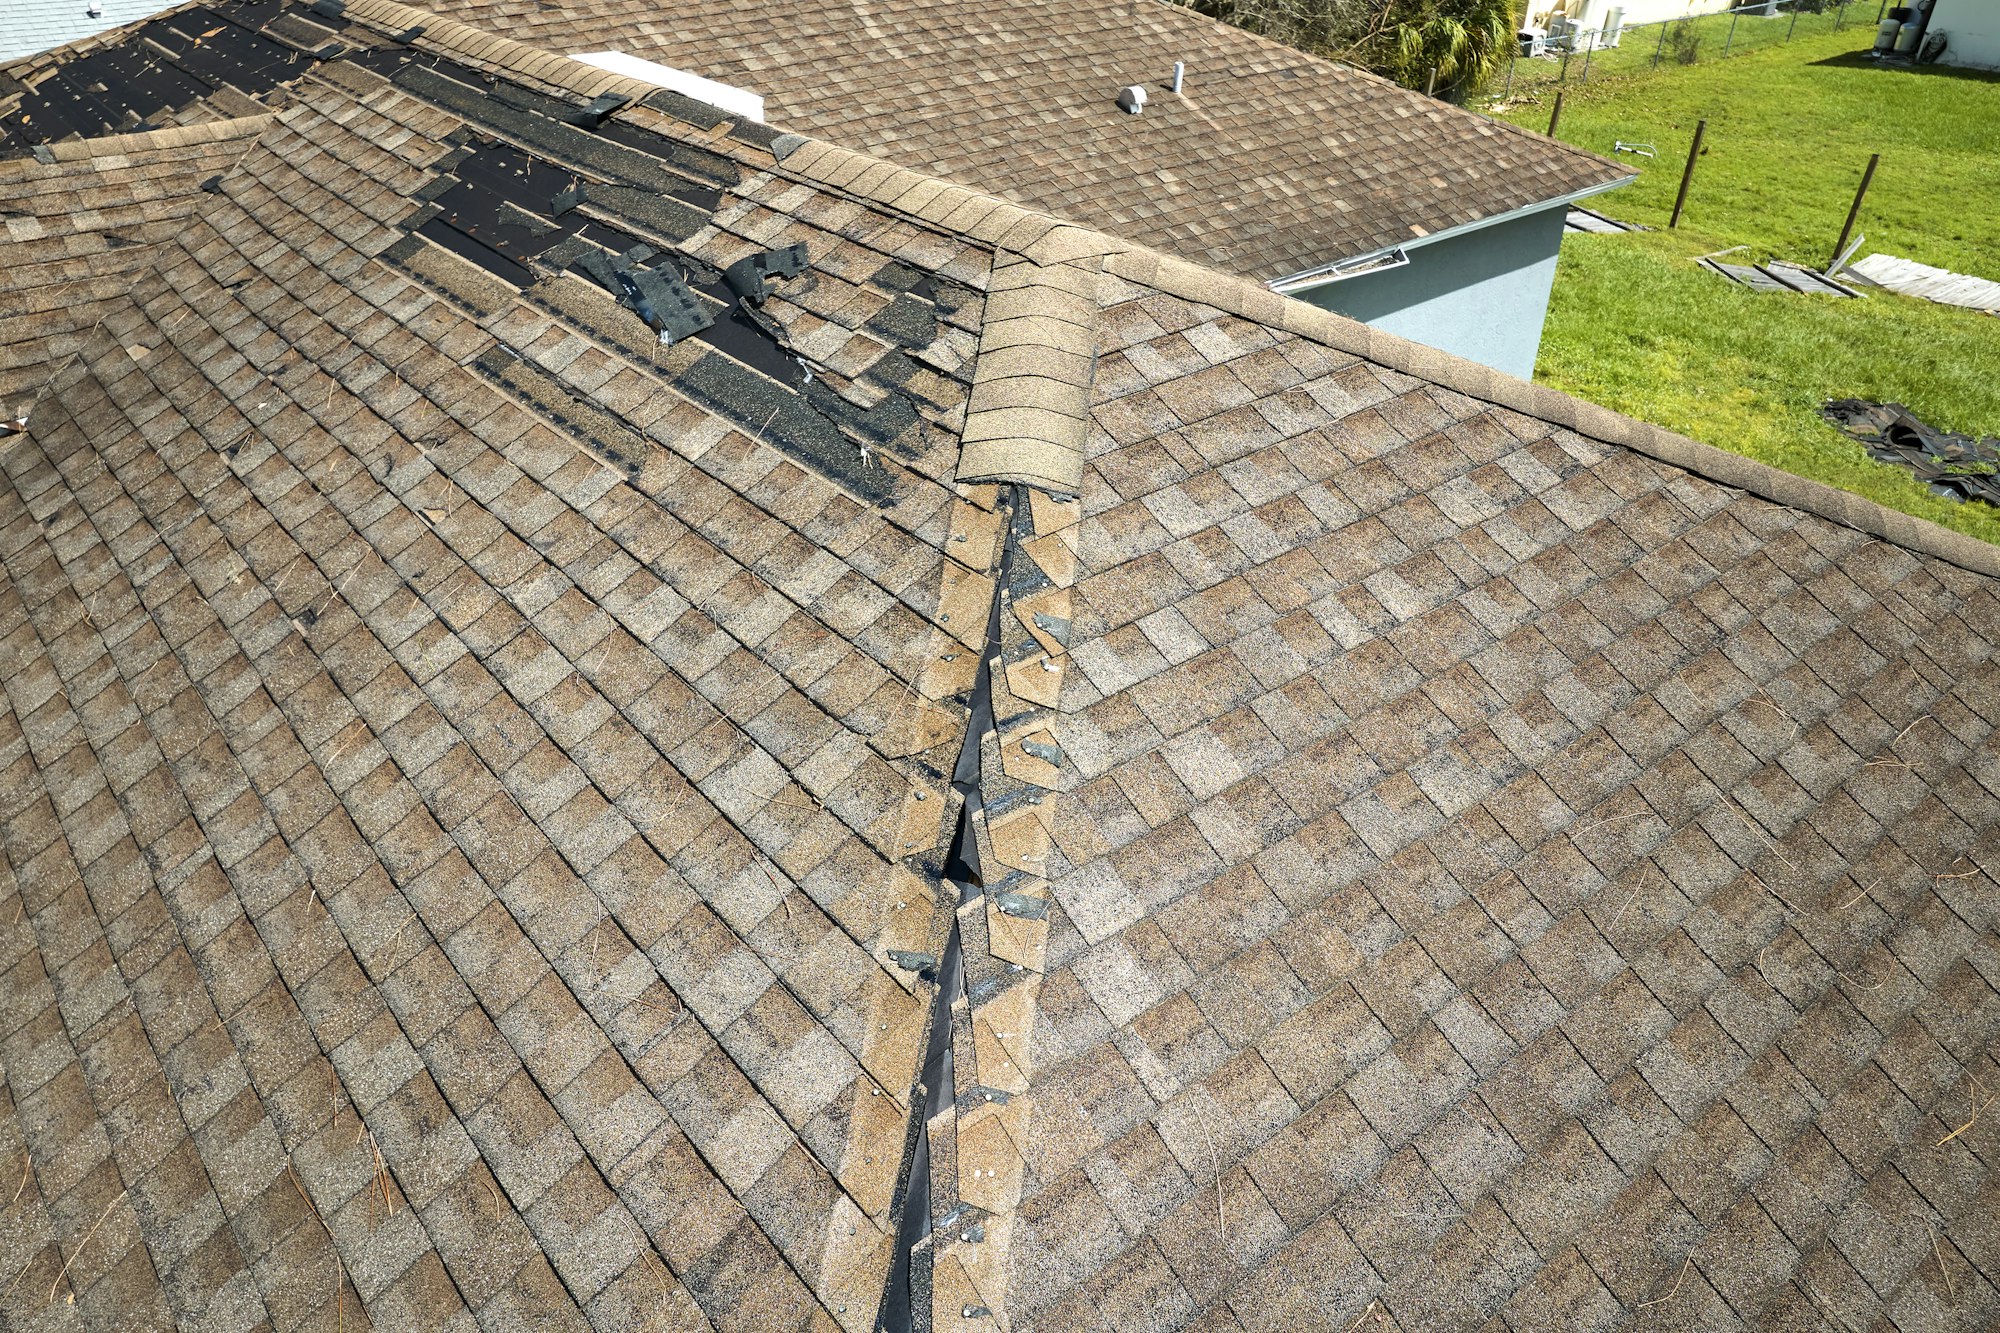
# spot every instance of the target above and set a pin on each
(1686, 1264)
(1977, 1111)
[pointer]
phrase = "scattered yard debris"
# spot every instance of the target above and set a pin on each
(1955, 467)
(1933, 284)
(1778, 276)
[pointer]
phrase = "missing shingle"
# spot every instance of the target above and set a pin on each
(777, 415)
(670, 219)
(617, 444)
(471, 286)
(537, 123)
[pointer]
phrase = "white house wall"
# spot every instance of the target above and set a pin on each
(1590, 14)
(1972, 32)
(1481, 294)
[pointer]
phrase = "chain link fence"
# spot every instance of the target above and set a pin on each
(1580, 55)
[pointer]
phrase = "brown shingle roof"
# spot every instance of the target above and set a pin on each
(1500, 876)
(475, 785)
(1271, 163)
(79, 226)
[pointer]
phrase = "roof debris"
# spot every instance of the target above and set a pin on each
(1952, 466)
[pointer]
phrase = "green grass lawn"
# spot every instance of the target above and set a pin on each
(1634, 325)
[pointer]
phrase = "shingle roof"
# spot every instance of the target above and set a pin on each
(477, 785)
(80, 226)
(1271, 163)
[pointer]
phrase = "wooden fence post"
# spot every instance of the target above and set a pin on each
(1687, 174)
(1854, 213)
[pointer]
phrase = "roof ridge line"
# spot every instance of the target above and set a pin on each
(1255, 302)
(502, 53)
(173, 136)
(1049, 240)
(1041, 457)
(1028, 414)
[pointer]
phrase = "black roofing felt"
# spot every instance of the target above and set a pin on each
(539, 188)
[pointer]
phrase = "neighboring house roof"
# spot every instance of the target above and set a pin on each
(29, 26)
(477, 784)
(1271, 163)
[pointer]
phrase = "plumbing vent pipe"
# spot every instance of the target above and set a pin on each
(1180, 68)
(1132, 99)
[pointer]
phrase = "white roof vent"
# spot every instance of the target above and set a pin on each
(1132, 99)
(736, 101)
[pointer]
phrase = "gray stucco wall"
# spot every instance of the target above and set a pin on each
(1480, 295)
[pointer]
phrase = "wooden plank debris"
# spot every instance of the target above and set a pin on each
(1778, 276)
(1933, 284)
(1750, 277)
(1581, 219)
